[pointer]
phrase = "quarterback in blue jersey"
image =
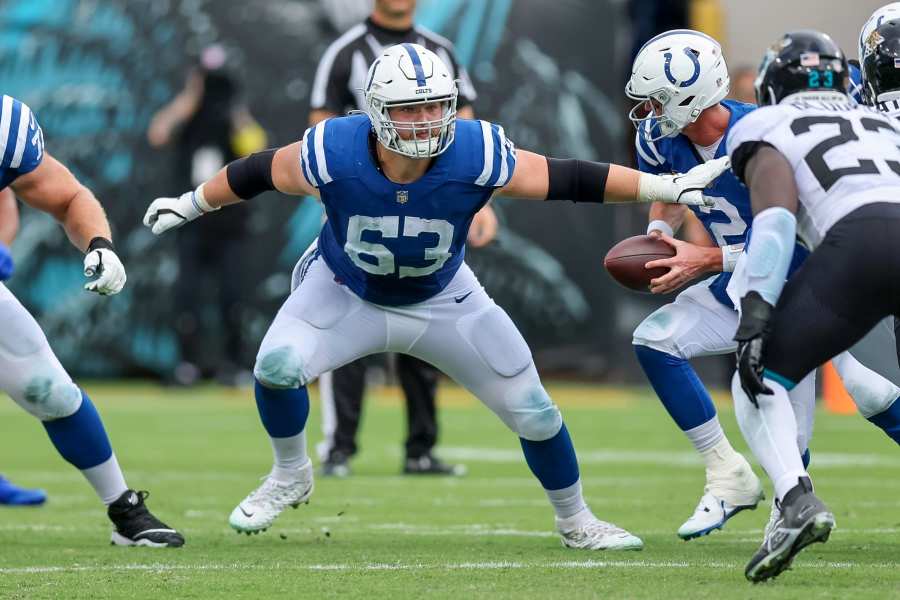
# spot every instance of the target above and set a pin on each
(681, 79)
(29, 371)
(400, 184)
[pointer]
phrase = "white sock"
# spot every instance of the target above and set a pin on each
(771, 433)
(706, 435)
(567, 501)
(803, 403)
(107, 480)
(290, 455)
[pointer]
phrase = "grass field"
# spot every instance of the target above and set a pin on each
(378, 534)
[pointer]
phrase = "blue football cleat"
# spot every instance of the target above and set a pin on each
(13, 495)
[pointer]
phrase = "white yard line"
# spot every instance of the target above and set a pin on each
(441, 566)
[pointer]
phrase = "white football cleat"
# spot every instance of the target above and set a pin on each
(724, 496)
(585, 531)
(259, 510)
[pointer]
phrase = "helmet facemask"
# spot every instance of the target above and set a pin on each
(392, 133)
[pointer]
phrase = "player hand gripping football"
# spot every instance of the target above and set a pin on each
(690, 261)
(751, 335)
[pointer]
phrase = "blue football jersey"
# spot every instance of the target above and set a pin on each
(727, 222)
(21, 140)
(400, 243)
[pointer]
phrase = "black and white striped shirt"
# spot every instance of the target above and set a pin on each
(341, 74)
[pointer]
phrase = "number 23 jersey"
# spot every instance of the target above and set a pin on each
(843, 155)
(400, 243)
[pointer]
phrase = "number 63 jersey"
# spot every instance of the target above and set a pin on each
(400, 243)
(843, 155)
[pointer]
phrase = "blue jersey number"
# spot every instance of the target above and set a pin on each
(724, 221)
(389, 227)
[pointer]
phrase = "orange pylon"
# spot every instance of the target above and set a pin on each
(837, 400)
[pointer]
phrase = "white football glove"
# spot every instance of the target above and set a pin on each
(164, 214)
(683, 188)
(101, 261)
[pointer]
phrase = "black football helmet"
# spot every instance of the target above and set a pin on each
(801, 61)
(881, 62)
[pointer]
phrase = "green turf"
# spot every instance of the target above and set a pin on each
(378, 534)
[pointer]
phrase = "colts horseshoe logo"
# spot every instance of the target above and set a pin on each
(668, 68)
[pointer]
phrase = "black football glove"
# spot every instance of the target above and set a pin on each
(752, 332)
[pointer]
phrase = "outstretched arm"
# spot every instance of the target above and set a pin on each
(52, 188)
(239, 180)
(541, 178)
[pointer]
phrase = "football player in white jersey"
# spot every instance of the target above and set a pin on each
(401, 183)
(827, 171)
(29, 371)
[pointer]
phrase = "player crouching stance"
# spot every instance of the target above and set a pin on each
(400, 185)
(29, 371)
(822, 169)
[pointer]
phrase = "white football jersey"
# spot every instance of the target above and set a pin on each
(844, 156)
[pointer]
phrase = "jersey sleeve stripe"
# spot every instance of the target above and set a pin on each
(319, 146)
(21, 136)
(6, 110)
(639, 146)
(488, 137)
(648, 144)
(504, 168)
(304, 160)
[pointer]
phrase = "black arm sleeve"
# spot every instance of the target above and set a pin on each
(576, 180)
(742, 155)
(251, 175)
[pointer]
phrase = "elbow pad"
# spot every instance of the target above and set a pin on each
(251, 175)
(770, 252)
(576, 180)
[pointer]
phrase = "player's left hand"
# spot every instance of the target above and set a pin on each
(484, 227)
(689, 262)
(751, 336)
(103, 263)
(689, 186)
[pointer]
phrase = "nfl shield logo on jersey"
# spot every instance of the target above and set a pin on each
(402, 196)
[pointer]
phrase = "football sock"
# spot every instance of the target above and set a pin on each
(771, 433)
(681, 392)
(81, 439)
(107, 480)
(567, 501)
(552, 461)
(889, 420)
(803, 403)
(283, 413)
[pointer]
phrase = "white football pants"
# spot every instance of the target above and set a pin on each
(461, 331)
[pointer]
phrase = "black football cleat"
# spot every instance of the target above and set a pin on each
(136, 526)
(428, 464)
(804, 520)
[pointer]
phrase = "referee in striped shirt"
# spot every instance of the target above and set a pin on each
(337, 89)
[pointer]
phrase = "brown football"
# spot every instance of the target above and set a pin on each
(625, 261)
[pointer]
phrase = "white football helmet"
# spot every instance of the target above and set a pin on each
(676, 75)
(888, 12)
(409, 74)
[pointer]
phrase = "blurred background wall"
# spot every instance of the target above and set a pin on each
(552, 73)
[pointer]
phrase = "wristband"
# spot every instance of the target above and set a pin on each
(730, 255)
(661, 226)
(99, 242)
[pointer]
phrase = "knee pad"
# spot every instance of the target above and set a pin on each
(534, 415)
(49, 398)
(872, 393)
(660, 330)
(279, 368)
(499, 343)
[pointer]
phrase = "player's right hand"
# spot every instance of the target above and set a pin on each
(164, 214)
